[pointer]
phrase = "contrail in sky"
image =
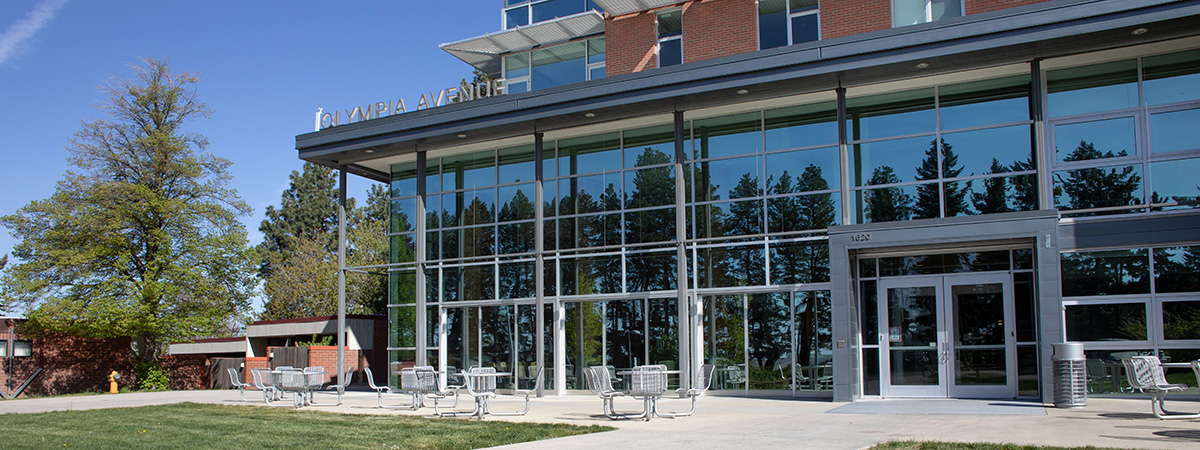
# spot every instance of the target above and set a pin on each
(15, 36)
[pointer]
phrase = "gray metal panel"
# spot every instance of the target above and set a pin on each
(987, 227)
(1131, 231)
(1053, 28)
(207, 348)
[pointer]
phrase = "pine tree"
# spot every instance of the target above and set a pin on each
(927, 194)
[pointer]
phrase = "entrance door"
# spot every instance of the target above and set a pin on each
(948, 336)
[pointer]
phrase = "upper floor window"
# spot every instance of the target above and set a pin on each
(554, 66)
(786, 22)
(524, 12)
(912, 12)
(670, 38)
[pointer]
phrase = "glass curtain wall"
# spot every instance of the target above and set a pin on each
(557, 65)
(1124, 136)
(402, 313)
(525, 12)
(1140, 301)
(942, 151)
(764, 188)
(771, 341)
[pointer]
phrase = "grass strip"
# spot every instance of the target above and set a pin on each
(203, 426)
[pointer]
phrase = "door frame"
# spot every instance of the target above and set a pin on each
(947, 356)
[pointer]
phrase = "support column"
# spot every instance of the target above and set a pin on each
(686, 366)
(420, 316)
(539, 247)
(341, 298)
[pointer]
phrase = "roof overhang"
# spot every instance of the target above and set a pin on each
(619, 7)
(484, 52)
(1022, 34)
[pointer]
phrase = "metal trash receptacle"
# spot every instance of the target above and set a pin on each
(1070, 375)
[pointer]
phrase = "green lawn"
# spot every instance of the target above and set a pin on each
(931, 445)
(190, 425)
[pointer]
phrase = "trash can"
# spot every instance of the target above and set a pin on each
(1070, 375)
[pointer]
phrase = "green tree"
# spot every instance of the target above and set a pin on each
(144, 240)
(368, 246)
(1025, 190)
(308, 210)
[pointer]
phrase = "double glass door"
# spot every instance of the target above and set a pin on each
(948, 336)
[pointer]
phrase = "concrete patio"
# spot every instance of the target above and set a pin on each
(731, 422)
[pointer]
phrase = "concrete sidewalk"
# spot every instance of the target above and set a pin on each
(732, 422)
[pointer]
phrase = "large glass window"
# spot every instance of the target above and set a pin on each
(524, 12)
(1116, 152)
(542, 68)
(952, 150)
(670, 38)
(912, 12)
(786, 22)
(1122, 302)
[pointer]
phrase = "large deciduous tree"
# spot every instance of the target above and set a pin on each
(143, 240)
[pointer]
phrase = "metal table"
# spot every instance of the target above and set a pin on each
(481, 384)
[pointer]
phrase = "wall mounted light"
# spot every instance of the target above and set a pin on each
(743, 91)
(1138, 31)
(590, 115)
(922, 65)
(462, 135)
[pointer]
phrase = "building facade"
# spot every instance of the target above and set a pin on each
(845, 199)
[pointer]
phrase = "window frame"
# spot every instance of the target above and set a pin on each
(928, 16)
(670, 37)
(792, 15)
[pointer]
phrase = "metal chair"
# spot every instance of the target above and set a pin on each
(233, 377)
(380, 390)
(537, 385)
(600, 383)
(648, 383)
(265, 382)
(700, 384)
(1145, 373)
(480, 386)
(296, 382)
(338, 385)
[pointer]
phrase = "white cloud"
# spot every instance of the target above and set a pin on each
(14, 38)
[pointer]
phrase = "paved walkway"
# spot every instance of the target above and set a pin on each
(732, 422)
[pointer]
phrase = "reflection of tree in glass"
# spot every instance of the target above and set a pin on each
(584, 336)
(800, 263)
(887, 204)
(1181, 320)
(1102, 273)
(625, 338)
(927, 194)
(1175, 269)
(767, 329)
(516, 280)
(994, 198)
(1097, 187)
(664, 332)
(813, 333)
(1024, 186)
(496, 337)
(724, 330)
(651, 187)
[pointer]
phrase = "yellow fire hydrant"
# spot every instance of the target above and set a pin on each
(112, 382)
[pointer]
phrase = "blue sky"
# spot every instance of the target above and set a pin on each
(266, 67)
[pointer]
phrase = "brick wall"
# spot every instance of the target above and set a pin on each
(716, 28)
(71, 364)
(846, 17)
(326, 356)
(629, 44)
(982, 6)
(254, 362)
(186, 371)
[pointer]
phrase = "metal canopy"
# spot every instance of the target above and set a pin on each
(619, 7)
(484, 52)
